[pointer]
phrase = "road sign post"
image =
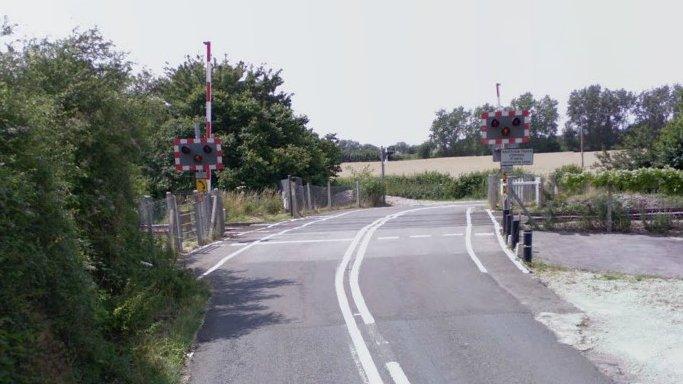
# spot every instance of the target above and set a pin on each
(504, 130)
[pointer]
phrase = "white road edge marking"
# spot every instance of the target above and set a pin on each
(396, 373)
(452, 234)
(387, 238)
(501, 242)
(360, 348)
(419, 236)
(291, 241)
(468, 242)
(483, 234)
(237, 252)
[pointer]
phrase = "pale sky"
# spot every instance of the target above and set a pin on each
(376, 71)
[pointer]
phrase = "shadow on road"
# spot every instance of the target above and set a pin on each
(237, 305)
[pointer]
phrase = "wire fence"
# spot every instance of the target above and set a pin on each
(299, 198)
(185, 220)
(189, 220)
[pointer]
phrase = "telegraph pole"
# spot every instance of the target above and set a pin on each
(581, 143)
(382, 158)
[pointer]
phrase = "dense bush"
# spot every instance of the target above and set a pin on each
(645, 180)
(77, 305)
(428, 185)
(669, 144)
(372, 191)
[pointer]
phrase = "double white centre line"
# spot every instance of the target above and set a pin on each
(361, 351)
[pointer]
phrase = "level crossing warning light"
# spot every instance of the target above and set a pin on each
(204, 154)
(507, 126)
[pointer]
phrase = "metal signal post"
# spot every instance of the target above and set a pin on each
(200, 154)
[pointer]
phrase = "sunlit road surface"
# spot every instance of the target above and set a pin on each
(421, 294)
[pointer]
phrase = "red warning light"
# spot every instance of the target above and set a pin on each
(505, 131)
(198, 158)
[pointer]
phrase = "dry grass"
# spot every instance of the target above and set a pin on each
(544, 163)
(253, 206)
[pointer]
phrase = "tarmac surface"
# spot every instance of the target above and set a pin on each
(385, 295)
(615, 252)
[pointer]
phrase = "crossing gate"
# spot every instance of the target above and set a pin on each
(527, 187)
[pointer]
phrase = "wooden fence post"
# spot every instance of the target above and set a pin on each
(329, 195)
(289, 195)
(171, 223)
(295, 200)
(357, 193)
(308, 196)
(178, 225)
(198, 217)
(221, 212)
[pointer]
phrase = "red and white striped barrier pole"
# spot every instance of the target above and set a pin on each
(207, 128)
(498, 94)
(208, 131)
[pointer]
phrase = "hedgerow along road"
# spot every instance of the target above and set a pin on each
(421, 294)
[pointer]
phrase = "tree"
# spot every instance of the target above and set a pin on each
(424, 150)
(601, 114)
(264, 140)
(352, 151)
(653, 110)
(472, 143)
(448, 129)
(544, 118)
(669, 145)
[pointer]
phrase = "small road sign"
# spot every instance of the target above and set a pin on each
(201, 185)
(523, 156)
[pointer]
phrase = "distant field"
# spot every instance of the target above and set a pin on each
(544, 163)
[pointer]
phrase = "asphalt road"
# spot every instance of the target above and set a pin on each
(386, 295)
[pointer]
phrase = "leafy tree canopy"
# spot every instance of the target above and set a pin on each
(263, 139)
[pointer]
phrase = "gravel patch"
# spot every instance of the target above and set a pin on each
(631, 327)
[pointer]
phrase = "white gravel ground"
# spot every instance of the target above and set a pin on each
(631, 327)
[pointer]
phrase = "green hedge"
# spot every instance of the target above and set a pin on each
(428, 185)
(668, 181)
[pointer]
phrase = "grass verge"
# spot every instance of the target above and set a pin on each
(254, 206)
(164, 345)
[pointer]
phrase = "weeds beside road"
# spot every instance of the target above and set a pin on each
(254, 206)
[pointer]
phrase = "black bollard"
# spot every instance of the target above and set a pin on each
(508, 224)
(515, 233)
(506, 213)
(527, 246)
